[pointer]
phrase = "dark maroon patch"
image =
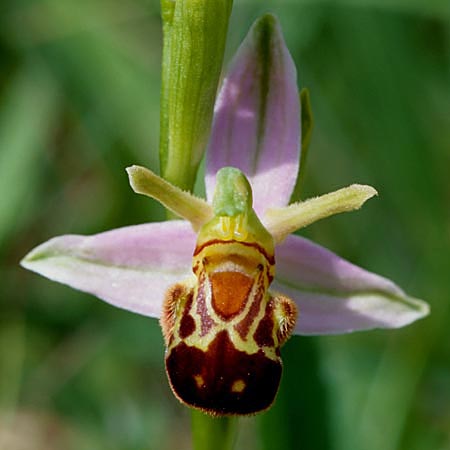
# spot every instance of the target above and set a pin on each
(187, 326)
(263, 334)
(196, 267)
(187, 323)
(223, 380)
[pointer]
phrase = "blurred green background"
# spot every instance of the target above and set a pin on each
(79, 99)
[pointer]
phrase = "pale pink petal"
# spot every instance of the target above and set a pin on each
(128, 267)
(256, 124)
(335, 296)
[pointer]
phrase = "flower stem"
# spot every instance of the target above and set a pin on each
(194, 42)
(213, 433)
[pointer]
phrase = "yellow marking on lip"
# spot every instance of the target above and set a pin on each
(238, 386)
(224, 248)
(199, 381)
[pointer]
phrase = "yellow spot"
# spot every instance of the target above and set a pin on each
(238, 386)
(199, 381)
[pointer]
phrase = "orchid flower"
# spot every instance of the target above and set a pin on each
(228, 280)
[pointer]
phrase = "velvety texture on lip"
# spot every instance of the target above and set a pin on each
(223, 379)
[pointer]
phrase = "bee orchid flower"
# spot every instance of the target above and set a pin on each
(230, 282)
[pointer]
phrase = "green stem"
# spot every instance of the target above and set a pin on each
(167, 12)
(213, 433)
(194, 42)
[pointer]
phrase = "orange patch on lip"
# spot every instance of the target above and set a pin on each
(230, 291)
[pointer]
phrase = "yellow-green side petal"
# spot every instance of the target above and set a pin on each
(283, 221)
(182, 203)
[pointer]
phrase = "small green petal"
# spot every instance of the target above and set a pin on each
(182, 203)
(283, 221)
